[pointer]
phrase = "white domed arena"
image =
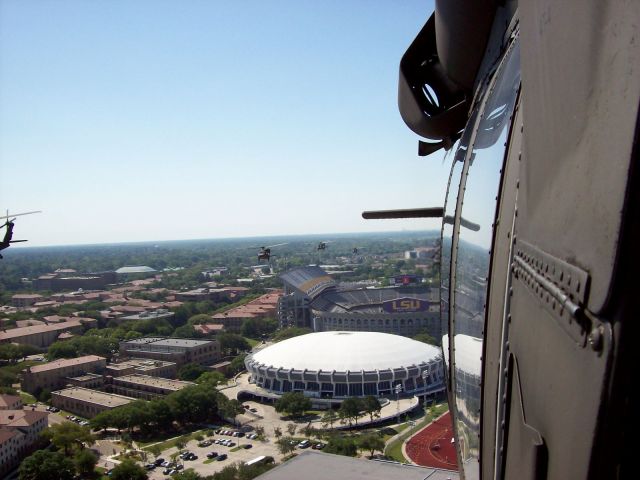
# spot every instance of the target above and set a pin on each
(348, 364)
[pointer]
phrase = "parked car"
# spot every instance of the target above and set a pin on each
(304, 444)
(221, 457)
(254, 410)
(318, 446)
(247, 446)
(150, 466)
(159, 461)
(212, 454)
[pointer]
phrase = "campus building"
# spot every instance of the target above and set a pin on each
(348, 364)
(142, 366)
(10, 402)
(85, 402)
(144, 386)
(54, 375)
(69, 279)
(262, 307)
(176, 350)
(19, 434)
(42, 336)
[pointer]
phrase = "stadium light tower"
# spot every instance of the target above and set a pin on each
(425, 375)
(398, 389)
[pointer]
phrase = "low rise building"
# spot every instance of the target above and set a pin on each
(67, 279)
(212, 294)
(143, 366)
(22, 300)
(160, 314)
(262, 307)
(12, 450)
(53, 375)
(10, 402)
(89, 380)
(40, 336)
(29, 422)
(144, 386)
(85, 402)
(177, 350)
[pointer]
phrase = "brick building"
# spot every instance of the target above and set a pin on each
(144, 386)
(53, 375)
(177, 350)
(86, 403)
(41, 336)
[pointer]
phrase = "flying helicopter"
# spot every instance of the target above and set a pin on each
(323, 245)
(541, 113)
(265, 252)
(9, 225)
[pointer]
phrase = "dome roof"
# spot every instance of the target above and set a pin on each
(346, 351)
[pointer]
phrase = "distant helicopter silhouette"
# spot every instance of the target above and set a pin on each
(265, 252)
(9, 225)
(323, 245)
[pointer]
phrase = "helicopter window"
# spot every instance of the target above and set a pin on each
(478, 201)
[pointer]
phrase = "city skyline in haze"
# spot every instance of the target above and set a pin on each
(166, 120)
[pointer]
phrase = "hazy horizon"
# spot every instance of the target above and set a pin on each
(165, 119)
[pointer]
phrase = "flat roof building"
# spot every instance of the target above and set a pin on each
(144, 386)
(53, 375)
(143, 366)
(87, 403)
(178, 350)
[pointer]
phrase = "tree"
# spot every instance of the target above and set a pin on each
(350, 409)
(372, 443)
(213, 379)
(181, 443)
(293, 403)
(46, 465)
(371, 406)
(329, 418)
(155, 450)
(85, 462)
(291, 428)
(259, 431)
(277, 432)
(290, 333)
(186, 331)
(342, 446)
(285, 445)
(237, 364)
(232, 343)
(128, 470)
(189, 474)
(66, 434)
(231, 408)
(191, 371)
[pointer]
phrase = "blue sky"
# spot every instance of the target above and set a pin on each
(157, 120)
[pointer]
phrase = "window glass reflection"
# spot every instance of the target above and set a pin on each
(473, 256)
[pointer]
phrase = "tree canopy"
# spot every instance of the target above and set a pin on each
(293, 403)
(46, 465)
(128, 470)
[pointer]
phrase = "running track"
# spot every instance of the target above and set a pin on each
(432, 447)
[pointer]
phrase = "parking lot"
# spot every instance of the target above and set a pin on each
(258, 448)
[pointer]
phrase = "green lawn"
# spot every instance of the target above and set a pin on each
(251, 341)
(27, 398)
(171, 442)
